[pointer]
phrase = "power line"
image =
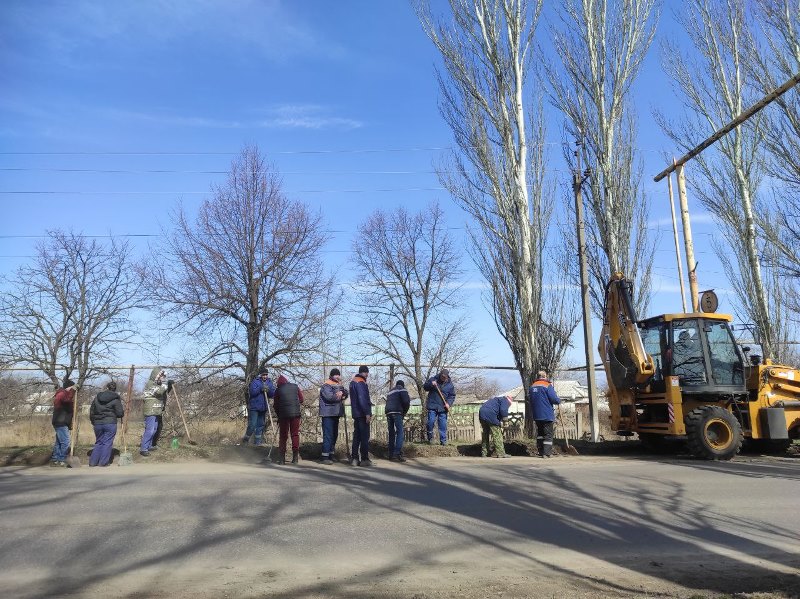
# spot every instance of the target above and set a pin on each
(195, 172)
(94, 193)
(282, 152)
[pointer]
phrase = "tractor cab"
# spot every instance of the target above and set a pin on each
(699, 350)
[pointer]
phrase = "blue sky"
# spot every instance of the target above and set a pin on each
(341, 96)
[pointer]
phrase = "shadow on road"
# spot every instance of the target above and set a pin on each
(692, 543)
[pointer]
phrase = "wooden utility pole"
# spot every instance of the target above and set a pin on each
(578, 179)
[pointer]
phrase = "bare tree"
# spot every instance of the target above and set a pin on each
(771, 63)
(601, 46)
(409, 292)
(497, 173)
(715, 89)
(69, 311)
(245, 279)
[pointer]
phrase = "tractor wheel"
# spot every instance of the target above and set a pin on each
(654, 443)
(713, 433)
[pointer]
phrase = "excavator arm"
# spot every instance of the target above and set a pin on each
(626, 361)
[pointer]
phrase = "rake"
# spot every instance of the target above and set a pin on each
(567, 447)
(72, 461)
(125, 457)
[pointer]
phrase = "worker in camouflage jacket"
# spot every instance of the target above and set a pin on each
(153, 404)
(491, 415)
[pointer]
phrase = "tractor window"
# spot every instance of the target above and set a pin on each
(687, 353)
(726, 365)
(651, 338)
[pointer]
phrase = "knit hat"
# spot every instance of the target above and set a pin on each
(68, 383)
(444, 374)
(262, 371)
(334, 372)
(400, 384)
(282, 380)
(363, 369)
(111, 386)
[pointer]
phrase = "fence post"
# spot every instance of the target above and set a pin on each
(578, 423)
(476, 426)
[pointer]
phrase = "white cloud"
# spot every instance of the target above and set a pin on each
(306, 116)
(697, 218)
(81, 31)
(282, 117)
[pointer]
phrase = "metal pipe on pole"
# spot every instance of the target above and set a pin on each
(677, 167)
(746, 114)
(577, 183)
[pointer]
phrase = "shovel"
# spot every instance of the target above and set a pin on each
(268, 459)
(72, 461)
(346, 435)
(567, 447)
(180, 409)
(125, 457)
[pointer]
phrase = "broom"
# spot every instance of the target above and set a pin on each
(567, 447)
(125, 457)
(72, 461)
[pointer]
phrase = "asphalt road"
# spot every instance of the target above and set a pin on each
(460, 527)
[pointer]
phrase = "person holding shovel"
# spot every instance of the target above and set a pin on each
(261, 389)
(104, 412)
(491, 416)
(63, 408)
(542, 397)
(441, 397)
(331, 408)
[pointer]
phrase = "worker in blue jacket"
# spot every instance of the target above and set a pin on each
(492, 414)
(260, 389)
(542, 397)
(441, 397)
(361, 408)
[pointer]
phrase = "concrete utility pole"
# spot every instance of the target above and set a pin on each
(578, 179)
(688, 242)
(677, 243)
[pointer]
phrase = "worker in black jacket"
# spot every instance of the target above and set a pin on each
(397, 404)
(288, 398)
(104, 412)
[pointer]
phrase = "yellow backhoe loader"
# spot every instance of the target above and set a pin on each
(685, 376)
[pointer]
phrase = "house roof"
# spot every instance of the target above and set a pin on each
(568, 391)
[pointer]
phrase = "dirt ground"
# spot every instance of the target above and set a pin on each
(229, 453)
